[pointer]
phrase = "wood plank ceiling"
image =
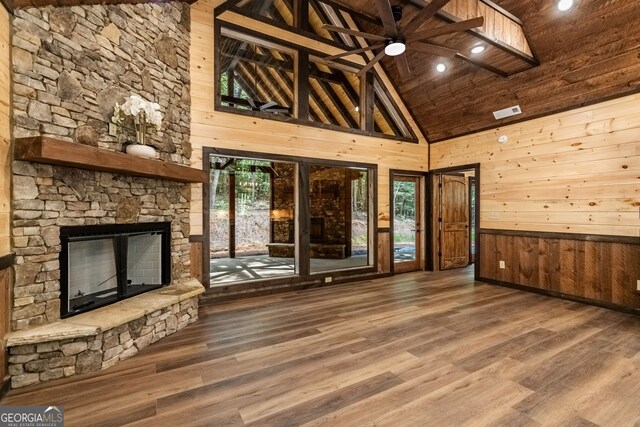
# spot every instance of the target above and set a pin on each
(586, 55)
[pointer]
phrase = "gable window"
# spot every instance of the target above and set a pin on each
(281, 78)
(255, 75)
(334, 96)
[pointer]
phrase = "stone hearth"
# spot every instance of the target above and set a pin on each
(101, 338)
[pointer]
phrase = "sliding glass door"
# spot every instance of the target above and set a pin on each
(271, 218)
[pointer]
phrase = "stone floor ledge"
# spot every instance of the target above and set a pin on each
(109, 317)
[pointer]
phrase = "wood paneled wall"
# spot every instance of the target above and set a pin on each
(573, 172)
(384, 251)
(596, 271)
(5, 129)
(5, 181)
(223, 130)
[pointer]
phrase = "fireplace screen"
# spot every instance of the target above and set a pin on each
(104, 264)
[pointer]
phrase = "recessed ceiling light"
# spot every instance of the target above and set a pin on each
(395, 48)
(565, 5)
(478, 49)
(441, 68)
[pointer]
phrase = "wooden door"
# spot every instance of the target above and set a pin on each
(454, 222)
(407, 232)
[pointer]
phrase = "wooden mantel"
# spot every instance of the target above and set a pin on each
(51, 151)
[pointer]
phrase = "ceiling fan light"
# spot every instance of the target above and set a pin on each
(395, 48)
(478, 49)
(441, 68)
(564, 5)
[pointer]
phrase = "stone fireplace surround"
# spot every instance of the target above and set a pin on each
(70, 66)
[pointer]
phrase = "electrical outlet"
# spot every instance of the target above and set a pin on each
(328, 279)
(638, 285)
(503, 265)
(113, 129)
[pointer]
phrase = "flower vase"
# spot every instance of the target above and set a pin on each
(139, 148)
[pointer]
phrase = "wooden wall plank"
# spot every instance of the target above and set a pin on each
(5, 182)
(384, 254)
(5, 129)
(578, 171)
(596, 271)
(196, 261)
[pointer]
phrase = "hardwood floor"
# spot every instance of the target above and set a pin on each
(416, 349)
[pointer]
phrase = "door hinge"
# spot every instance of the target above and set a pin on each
(439, 219)
(440, 254)
(440, 185)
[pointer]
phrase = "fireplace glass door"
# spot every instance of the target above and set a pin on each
(104, 264)
(93, 273)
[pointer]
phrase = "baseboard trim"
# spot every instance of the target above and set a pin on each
(211, 295)
(560, 295)
(604, 238)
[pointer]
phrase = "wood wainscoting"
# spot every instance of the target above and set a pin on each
(385, 258)
(197, 258)
(600, 270)
(6, 283)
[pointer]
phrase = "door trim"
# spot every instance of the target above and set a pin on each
(476, 167)
(425, 211)
(473, 185)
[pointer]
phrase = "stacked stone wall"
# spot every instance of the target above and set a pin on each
(70, 66)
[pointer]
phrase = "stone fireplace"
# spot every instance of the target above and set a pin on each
(70, 66)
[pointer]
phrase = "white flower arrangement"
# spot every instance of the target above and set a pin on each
(146, 116)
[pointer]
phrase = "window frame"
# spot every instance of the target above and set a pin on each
(301, 109)
(302, 246)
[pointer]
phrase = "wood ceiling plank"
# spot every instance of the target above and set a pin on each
(587, 54)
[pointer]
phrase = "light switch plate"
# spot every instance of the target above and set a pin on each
(638, 285)
(502, 265)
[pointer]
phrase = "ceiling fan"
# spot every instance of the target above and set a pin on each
(400, 38)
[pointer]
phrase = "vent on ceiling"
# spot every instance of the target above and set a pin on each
(507, 112)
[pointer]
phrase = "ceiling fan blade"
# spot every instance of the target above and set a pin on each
(268, 105)
(354, 33)
(432, 49)
(352, 52)
(386, 14)
(427, 12)
(447, 29)
(403, 66)
(252, 103)
(371, 63)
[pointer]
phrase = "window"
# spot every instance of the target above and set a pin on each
(273, 218)
(255, 76)
(340, 224)
(334, 96)
(280, 11)
(386, 115)
(251, 219)
(263, 76)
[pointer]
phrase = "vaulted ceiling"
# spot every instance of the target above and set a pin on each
(587, 54)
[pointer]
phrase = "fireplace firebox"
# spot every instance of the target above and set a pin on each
(102, 264)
